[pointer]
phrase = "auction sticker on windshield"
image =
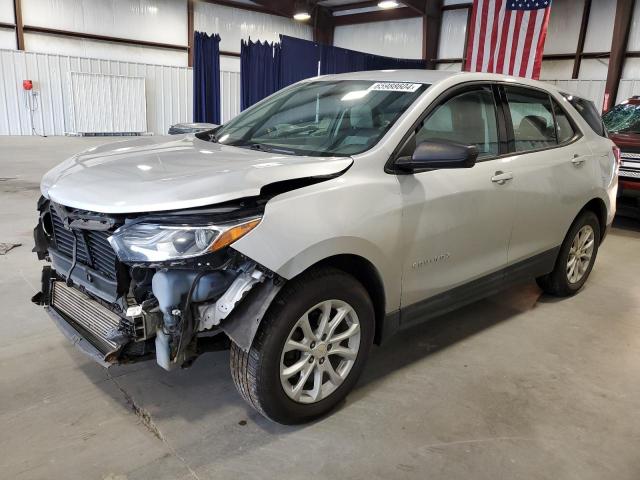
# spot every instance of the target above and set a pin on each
(394, 87)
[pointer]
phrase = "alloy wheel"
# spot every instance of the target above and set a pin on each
(320, 351)
(580, 254)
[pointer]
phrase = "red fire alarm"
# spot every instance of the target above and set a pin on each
(27, 85)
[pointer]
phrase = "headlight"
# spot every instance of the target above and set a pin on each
(151, 242)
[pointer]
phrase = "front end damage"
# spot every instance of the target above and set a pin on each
(126, 311)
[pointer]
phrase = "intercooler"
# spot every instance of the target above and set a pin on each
(98, 322)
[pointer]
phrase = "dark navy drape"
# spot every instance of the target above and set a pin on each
(206, 78)
(342, 60)
(259, 71)
(299, 60)
(266, 68)
(377, 62)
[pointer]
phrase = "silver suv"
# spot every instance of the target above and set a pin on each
(320, 221)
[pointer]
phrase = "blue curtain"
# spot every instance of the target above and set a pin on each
(266, 68)
(299, 60)
(206, 78)
(377, 62)
(259, 71)
(342, 60)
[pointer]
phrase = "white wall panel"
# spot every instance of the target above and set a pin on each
(7, 38)
(594, 68)
(452, 34)
(600, 27)
(564, 26)
(169, 91)
(79, 47)
(107, 103)
(556, 69)
(151, 20)
(450, 67)
(229, 95)
(631, 69)
(590, 89)
(392, 38)
(454, 2)
(634, 33)
(628, 88)
(6, 11)
(234, 25)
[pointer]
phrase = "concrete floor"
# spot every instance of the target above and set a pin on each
(515, 386)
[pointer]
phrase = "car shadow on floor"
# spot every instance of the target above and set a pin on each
(422, 341)
(206, 389)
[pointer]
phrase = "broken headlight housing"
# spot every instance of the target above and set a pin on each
(156, 242)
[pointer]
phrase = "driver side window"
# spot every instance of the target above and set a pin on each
(468, 118)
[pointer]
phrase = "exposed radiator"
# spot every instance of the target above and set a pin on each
(107, 104)
(100, 322)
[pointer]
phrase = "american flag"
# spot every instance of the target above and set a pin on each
(507, 36)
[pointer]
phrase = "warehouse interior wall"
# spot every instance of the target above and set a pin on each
(164, 21)
(393, 38)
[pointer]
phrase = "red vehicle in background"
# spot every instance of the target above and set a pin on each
(623, 124)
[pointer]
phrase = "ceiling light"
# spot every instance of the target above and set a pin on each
(388, 4)
(301, 16)
(301, 11)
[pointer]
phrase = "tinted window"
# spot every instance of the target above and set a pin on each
(565, 129)
(532, 119)
(468, 118)
(589, 112)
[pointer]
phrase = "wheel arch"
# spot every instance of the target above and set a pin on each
(368, 275)
(597, 206)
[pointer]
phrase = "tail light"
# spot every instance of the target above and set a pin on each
(616, 154)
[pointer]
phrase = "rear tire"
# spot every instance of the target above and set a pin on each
(331, 368)
(575, 259)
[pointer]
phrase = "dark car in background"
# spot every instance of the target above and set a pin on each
(623, 124)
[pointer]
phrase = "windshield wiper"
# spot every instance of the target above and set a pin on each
(260, 146)
(268, 148)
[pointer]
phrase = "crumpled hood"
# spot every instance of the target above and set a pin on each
(168, 173)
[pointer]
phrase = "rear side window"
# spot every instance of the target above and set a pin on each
(532, 119)
(589, 112)
(565, 128)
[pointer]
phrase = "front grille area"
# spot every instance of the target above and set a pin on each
(96, 320)
(93, 248)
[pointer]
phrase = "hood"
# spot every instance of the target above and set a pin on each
(629, 142)
(151, 174)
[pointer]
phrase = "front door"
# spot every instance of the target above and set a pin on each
(456, 222)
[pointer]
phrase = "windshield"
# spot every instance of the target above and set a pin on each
(623, 118)
(321, 118)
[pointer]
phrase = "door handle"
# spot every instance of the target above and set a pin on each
(577, 160)
(501, 177)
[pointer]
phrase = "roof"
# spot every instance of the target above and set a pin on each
(434, 76)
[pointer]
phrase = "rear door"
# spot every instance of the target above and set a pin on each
(552, 168)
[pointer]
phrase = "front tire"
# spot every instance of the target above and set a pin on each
(310, 349)
(575, 259)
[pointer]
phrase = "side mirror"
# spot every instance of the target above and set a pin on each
(436, 154)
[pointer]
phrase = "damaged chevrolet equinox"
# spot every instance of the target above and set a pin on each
(320, 221)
